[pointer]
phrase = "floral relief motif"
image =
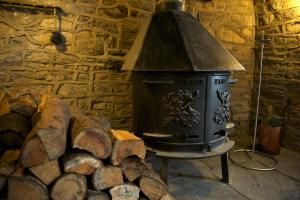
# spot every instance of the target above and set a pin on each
(180, 110)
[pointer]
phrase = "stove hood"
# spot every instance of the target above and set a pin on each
(174, 40)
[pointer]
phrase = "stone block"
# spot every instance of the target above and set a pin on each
(102, 89)
(228, 35)
(123, 109)
(93, 46)
(73, 90)
(128, 34)
(147, 5)
(102, 106)
(118, 12)
(105, 25)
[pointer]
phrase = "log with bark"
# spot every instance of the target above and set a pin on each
(47, 172)
(126, 144)
(107, 177)
(26, 188)
(152, 188)
(69, 187)
(88, 135)
(133, 168)
(125, 191)
(81, 163)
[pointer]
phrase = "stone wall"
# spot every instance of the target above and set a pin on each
(232, 22)
(98, 34)
(86, 68)
(280, 20)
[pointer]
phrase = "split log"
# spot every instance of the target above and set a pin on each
(8, 162)
(11, 139)
(152, 188)
(88, 135)
(47, 172)
(167, 197)
(126, 191)
(33, 152)
(52, 127)
(97, 195)
(126, 144)
(2, 182)
(14, 122)
(69, 187)
(26, 188)
(81, 163)
(133, 168)
(107, 177)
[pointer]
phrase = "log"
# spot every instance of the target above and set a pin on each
(107, 177)
(33, 152)
(2, 182)
(26, 188)
(47, 172)
(97, 195)
(125, 191)
(167, 197)
(4, 104)
(133, 168)
(24, 104)
(18, 173)
(152, 188)
(8, 162)
(69, 187)
(14, 122)
(52, 127)
(88, 135)
(126, 144)
(81, 163)
(11, 139)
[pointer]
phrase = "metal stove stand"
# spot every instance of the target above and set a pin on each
(219, 151)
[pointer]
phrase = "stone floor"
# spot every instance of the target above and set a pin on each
(199, 179)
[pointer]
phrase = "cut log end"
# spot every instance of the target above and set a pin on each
(95, 141)
(107, 177)
(47, 172)
(26, 188)
(33, 153)
(125, 192)
(69, 186)
(81, 163)
(126, 144)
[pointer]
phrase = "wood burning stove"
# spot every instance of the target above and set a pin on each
(181, 78)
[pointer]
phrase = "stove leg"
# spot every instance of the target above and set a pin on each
(225, 171)
(164, 169)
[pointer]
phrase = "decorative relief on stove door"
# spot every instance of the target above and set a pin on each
(179, 109)
(221, 115)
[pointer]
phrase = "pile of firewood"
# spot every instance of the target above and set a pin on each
(53, 151)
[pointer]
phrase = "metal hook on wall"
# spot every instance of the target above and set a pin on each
(56, 37)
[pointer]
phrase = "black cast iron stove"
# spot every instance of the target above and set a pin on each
(181, 78)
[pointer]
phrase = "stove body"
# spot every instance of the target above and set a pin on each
(181, 78)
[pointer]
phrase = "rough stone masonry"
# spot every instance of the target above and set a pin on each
(280, 20)
(85, 69)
